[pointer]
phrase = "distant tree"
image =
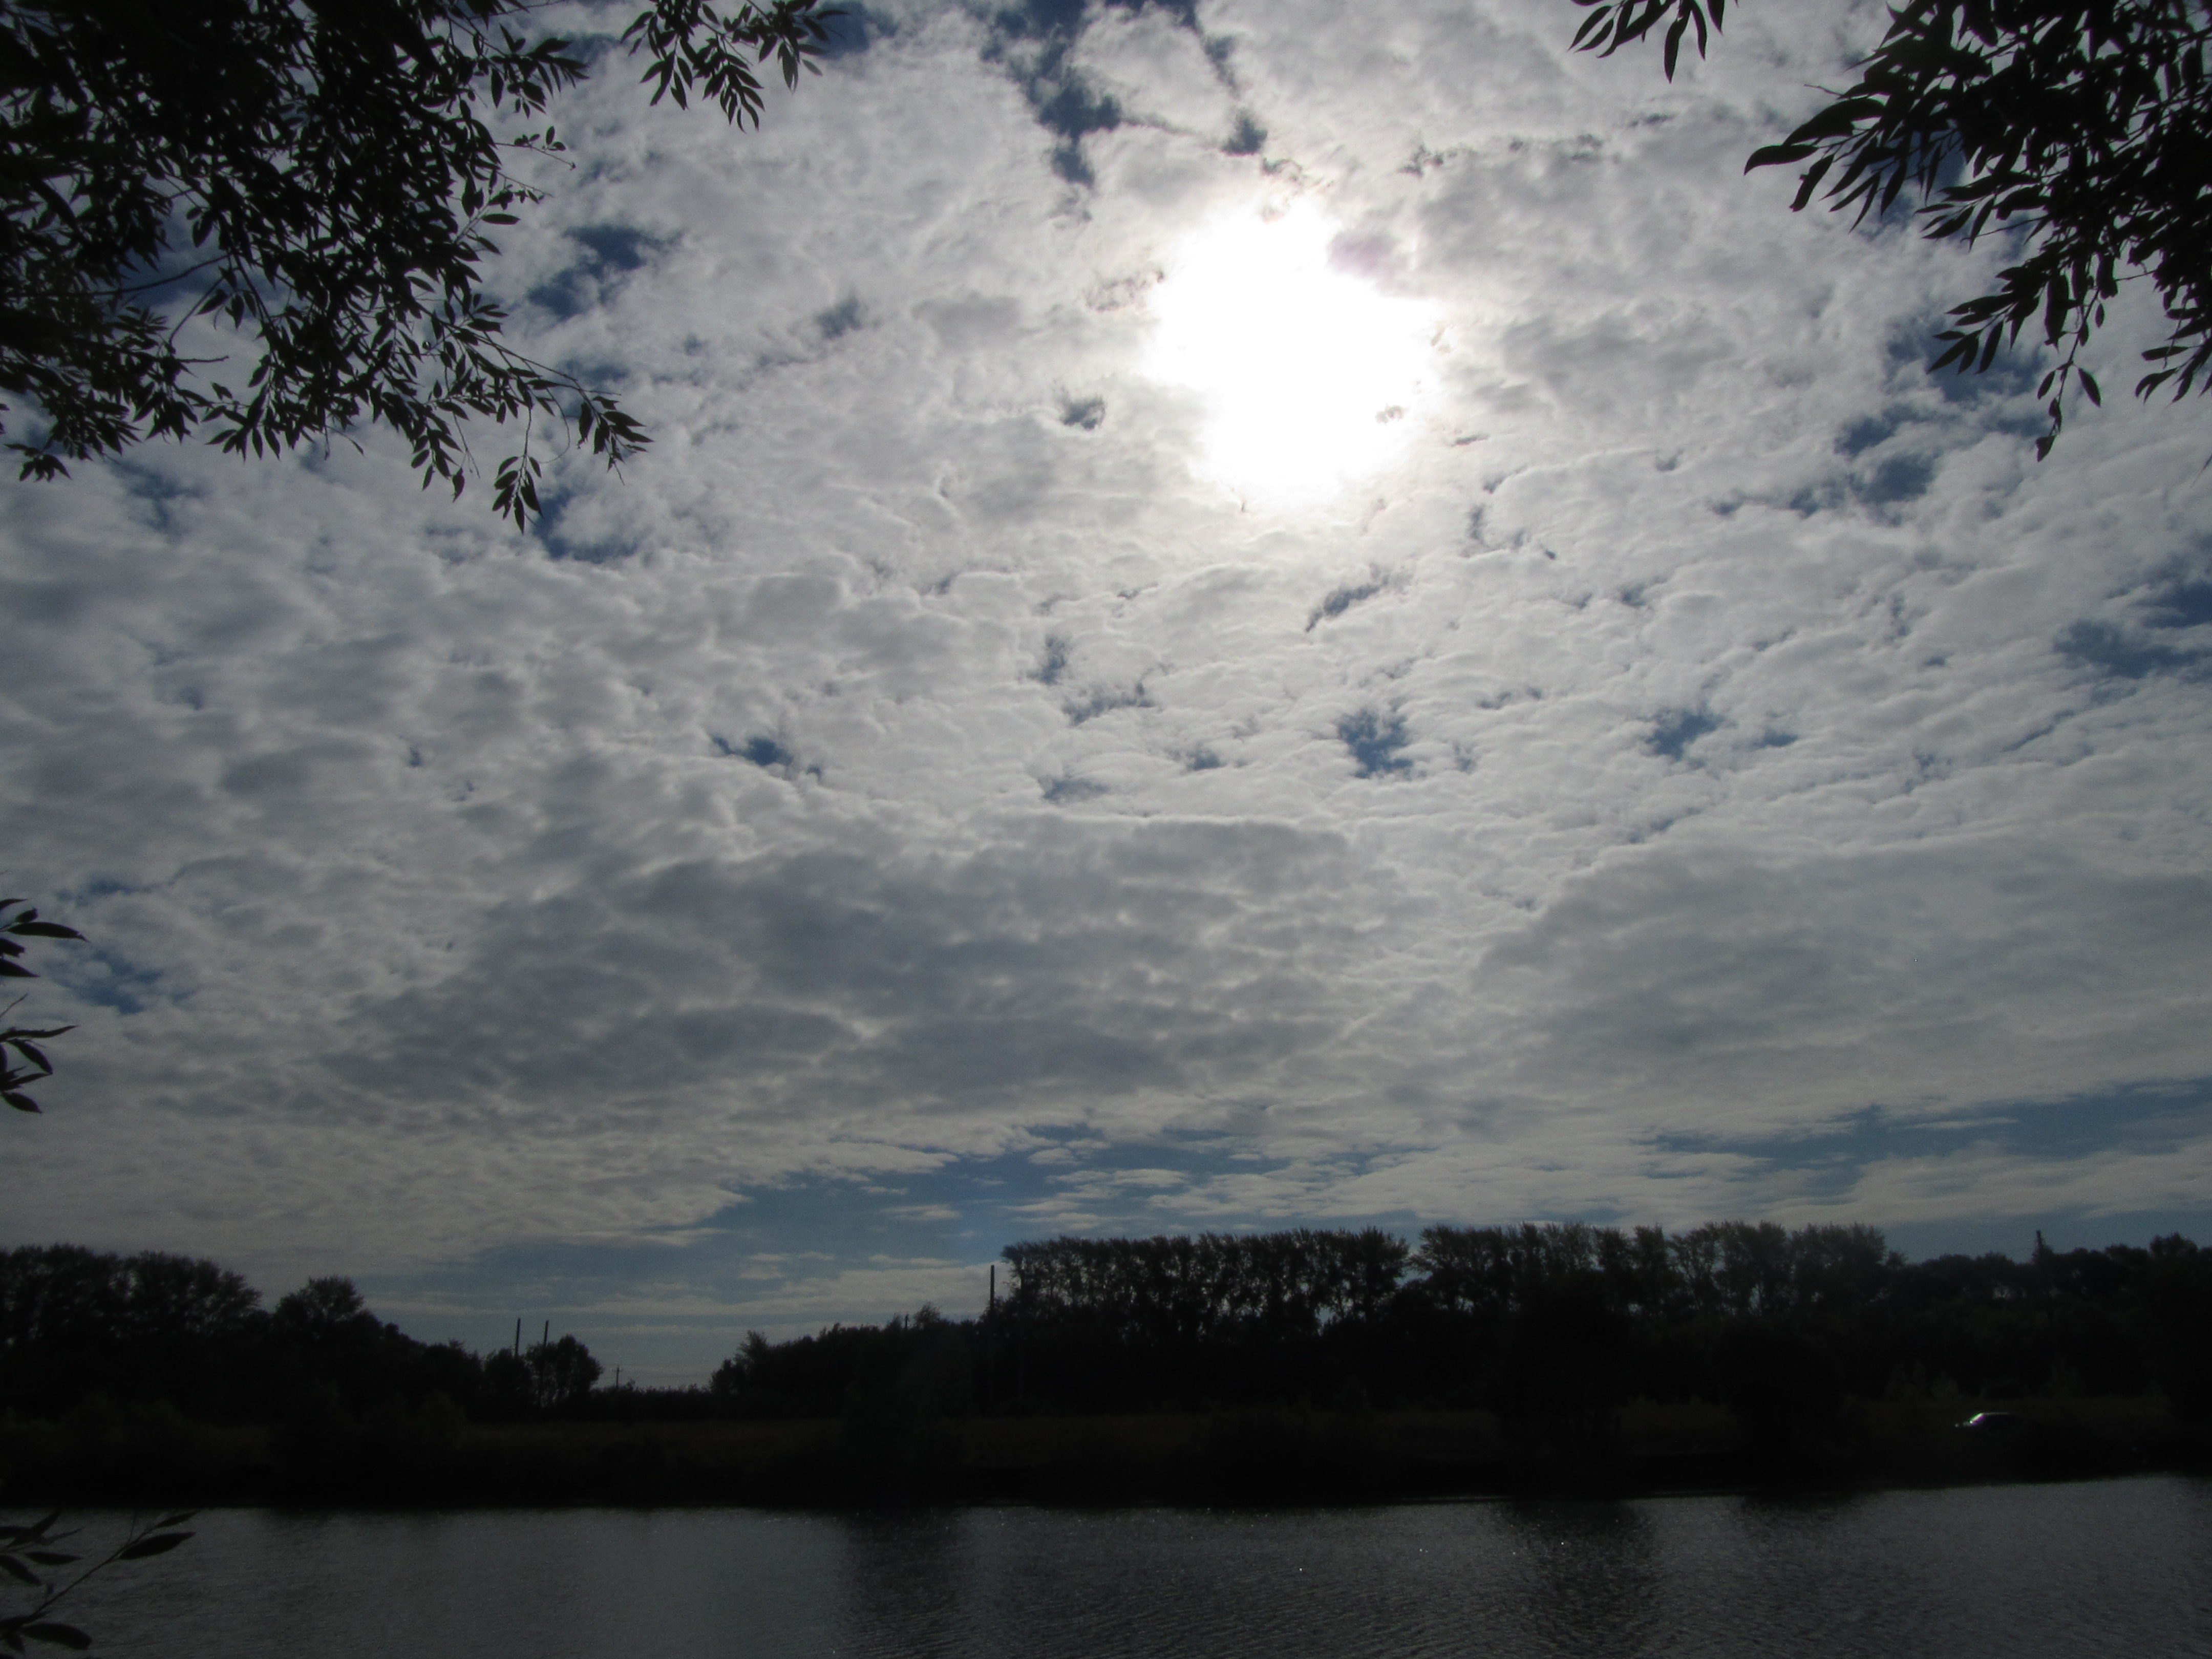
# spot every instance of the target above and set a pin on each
(321, 178)
(22, 1062)
(731, 1377)
(914, 1377)
(2177, 1298)
(323, 1309)
(144, 1328)
(1777, 1381)
(561, 1373)
(2079, 127)
(324, 1340)
(506, 1391)
(1565, 1365)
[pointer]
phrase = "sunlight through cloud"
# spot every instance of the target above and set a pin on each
(1311, 376)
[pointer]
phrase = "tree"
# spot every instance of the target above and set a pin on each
(319, 179)
(22, 1062)
(561, 1373)
(2078, 127)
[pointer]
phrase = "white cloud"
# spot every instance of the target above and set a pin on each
(945, 758)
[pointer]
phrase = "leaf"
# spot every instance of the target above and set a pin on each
(1837, 120)
(2089, 385)
(159, 1543)
(50, 1558)
(1592, 24)
(22, 1103)
(61, 1635)
(176, 1520)
(16, 1570)
(1809, 181)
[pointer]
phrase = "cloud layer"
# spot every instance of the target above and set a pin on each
(917, 807)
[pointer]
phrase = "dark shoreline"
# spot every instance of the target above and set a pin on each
(1261, 1456)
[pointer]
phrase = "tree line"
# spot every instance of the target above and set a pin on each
(1550, 1326)
(77, 1325)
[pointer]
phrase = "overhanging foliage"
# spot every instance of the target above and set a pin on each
(321, 178)
(2080, 127)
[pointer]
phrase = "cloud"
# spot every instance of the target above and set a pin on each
(914, 772)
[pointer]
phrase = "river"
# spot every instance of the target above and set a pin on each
(2121, 1567)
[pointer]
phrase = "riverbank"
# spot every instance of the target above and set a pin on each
(1283, 1455)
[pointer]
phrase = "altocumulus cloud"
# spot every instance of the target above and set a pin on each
(1715, 771)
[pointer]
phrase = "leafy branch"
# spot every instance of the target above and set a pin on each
(2078, 126)
(322, 181)
(22, 1062)
(29, 1555)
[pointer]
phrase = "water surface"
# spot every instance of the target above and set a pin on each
(2013, 1572)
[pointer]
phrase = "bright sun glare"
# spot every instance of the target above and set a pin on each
(1311, 375)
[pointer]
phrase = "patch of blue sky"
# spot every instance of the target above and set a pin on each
(1833, 1161)
(2141, 1117)
(668, 1306)
(792, 1257)
(103, 978)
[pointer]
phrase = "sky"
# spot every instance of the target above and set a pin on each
(1239, 616)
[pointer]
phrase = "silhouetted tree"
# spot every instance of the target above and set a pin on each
(2078, 126)
(1565, 1365)
(505, 1390)
(561, 1373)
(914, 1377)
(2177, 1302)
(150, 1327)
(1777, 1381)
(321, 179)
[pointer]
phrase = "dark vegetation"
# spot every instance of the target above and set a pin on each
(323, 182)
(22, 1062)
(2074, 128)
(1306, 1363)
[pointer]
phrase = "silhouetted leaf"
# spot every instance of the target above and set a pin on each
(336, 219)
(1775, 155)
(2079, 131)
(159, 1543)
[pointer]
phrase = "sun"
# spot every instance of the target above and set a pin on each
(1311, 376)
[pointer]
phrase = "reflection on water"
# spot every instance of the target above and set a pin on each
(2018, 1573)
